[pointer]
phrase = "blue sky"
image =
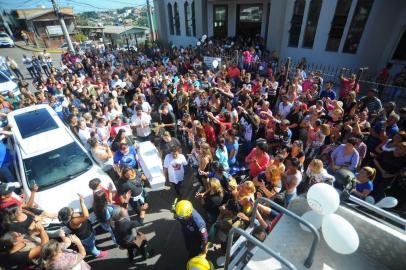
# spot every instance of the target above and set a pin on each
(78, 5)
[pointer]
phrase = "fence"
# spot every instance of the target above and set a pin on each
(366, 79)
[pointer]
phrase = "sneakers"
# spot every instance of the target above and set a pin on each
(102, 254)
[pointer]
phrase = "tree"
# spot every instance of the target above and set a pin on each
(80, 37)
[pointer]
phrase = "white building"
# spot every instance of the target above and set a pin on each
(351, 33)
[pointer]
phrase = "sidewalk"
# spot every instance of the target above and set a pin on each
(33, 48)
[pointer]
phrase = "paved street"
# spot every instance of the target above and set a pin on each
(162, 231)
(17, 54)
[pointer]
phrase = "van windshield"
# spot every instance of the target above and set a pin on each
(57, 166)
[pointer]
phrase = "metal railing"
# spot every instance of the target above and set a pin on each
(316, 236)
(379, 211)
(255, 242)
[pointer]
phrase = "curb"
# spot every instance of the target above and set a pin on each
(38, 50)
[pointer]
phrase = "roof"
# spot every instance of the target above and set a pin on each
(29, 14)
(36, 140)
(113, 29)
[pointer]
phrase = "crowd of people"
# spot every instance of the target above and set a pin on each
(288, 127)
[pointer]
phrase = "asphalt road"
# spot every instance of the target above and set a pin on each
(17, 54)
(162, 231)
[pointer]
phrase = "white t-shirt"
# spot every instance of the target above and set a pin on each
(175, 168)
(284, 110)
(84, 135)
(143, 120)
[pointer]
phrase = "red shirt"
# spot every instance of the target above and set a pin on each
(262, 162)
(233, 72)
(210, 135)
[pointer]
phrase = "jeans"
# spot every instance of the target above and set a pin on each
(108, 228)
(31, 71)
(289, 197)
(90, 245)
(18, 73)
(6, 174)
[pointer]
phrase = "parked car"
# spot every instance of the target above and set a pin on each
(6, 40)
(65, 46)
(7, 84)
(47, 154)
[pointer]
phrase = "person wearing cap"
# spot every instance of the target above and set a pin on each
(193, 227)
(140, 122)
(371, 102)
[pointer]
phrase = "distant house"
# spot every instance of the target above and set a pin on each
(118, 35)
(42, 24)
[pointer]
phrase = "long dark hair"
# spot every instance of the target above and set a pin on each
(99, 205)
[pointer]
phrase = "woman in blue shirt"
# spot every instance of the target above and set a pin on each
(232, 147)
(222, 153)
(364, 184)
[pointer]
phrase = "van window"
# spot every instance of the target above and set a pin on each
(57, 166)
(35, 122)
(3, 78)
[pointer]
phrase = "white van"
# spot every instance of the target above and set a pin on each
(46, 153)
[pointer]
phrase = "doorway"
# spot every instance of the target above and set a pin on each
(249, 20)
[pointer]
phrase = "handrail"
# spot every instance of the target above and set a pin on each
(379, 211)
(309, 260)
(257, 243)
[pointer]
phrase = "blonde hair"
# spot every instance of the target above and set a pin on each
(216, 186)
(206, 150)
(325, 129)
(370, 171)
(317, 165)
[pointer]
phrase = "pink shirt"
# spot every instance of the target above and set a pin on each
(262, 161)
(347, 86)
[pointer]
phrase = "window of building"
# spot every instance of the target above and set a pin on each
(296, 23)
(338, 25)
(193, 19)
(170, 19)
(358, 23)
(220, 21)
(190, 19)
(176, 19)
(400, 51)
(311, 25)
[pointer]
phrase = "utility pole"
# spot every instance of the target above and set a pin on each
(5, 23)
(63, 26)
(150, 21)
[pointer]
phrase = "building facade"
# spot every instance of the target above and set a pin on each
(120, 36)
(349, 33)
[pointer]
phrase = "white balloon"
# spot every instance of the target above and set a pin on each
(204, 37)
(370, 200)
(198, 43)
(210, 42)
(339, 234)
(314, 218)
(387, 202)
(215, 63)
(323, 198)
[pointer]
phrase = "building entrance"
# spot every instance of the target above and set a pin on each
(249, 20)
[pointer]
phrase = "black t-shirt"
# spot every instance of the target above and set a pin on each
(390, 163)
(166, 146)
(21, 227)
(295, 118)
(123, 231)
(168, 118)
(135, 186)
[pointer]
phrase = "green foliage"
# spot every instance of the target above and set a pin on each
(79, 37)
